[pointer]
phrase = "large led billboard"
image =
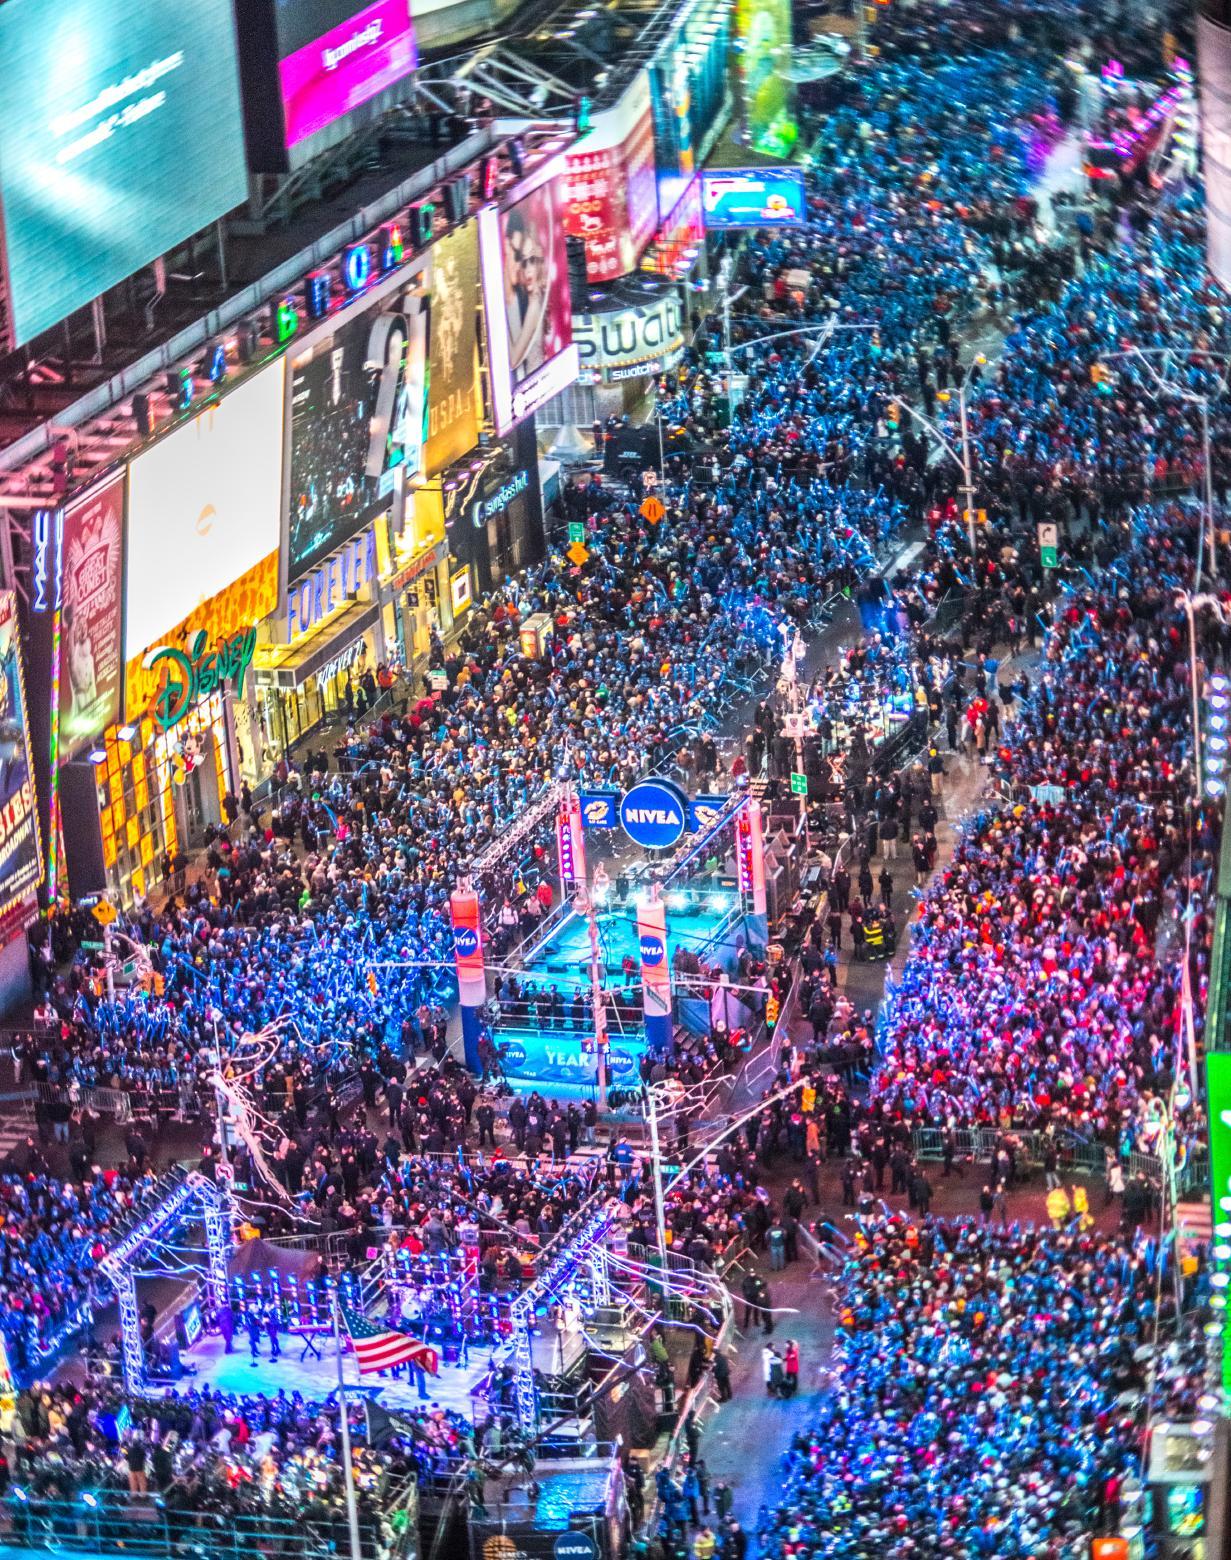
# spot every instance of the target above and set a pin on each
(204, 508)
(358, 393)
(453, 417)
(122, 136)
(611, 195)
(334, 55)
(526, 298)
(91, 599)
(753, 197)
(765, 36)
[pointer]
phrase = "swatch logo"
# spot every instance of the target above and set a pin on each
(363, 39)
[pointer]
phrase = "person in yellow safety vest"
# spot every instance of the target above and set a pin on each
(1058, 1207)
(1081, 1207)
(704, 1545)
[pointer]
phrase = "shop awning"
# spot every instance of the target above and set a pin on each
(291, 666)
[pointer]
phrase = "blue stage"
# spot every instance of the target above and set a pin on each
(538, 1049)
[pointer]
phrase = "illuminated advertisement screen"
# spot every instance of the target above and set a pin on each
(526, 296)
(765, 35)
(753, 197)
(453, 418)
(91, 598)
(611, 193)
(204, 507)
(335, 55)
(357, 422)
(122, 136)
(20, 863)
(1218, 1103)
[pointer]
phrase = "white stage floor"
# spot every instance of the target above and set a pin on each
(315, 1378)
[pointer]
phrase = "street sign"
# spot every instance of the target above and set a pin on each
(104, 912)
(653, 509)
(1049, 543)
(577, 532)
(577, 554)
(799, 783)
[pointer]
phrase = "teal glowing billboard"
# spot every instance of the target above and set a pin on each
(123, 135)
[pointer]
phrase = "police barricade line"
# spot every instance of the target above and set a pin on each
(113, 1102)
(979, 1143)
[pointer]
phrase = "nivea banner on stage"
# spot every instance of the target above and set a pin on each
(471, 977)
(655, 971)
(653, 813)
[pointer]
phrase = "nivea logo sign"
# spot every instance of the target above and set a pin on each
(651, 949)
(619, 1063)
(466, 941)
(513, 1054)
(653, 814)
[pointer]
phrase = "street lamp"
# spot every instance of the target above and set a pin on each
(1168, 387)
(1192, 604)
(966, 458)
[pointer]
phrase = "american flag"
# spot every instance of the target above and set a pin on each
(381, 1348)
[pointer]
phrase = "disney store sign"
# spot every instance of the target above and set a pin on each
(192, 675)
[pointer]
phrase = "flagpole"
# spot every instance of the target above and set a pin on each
(348, 1466)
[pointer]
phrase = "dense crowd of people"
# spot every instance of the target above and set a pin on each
(990, 1396)
(990, 1393)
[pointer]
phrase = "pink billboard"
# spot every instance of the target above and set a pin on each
(346, 66)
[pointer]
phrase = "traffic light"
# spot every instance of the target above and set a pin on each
(583, 117)
(372, 987)
(893, 414)
(771, 1010)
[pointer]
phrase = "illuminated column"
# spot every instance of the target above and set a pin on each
(218, 1245)
(750, 865)
(655, 974)
(524, 1395)
(471, 979)
(570, 844)
(121, 1276)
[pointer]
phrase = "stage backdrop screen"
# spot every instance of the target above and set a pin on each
(526, 296)
(753, 197)
(204, 507)
(122, 135)
(336, 54)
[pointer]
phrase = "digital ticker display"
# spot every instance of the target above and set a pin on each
(123, 135)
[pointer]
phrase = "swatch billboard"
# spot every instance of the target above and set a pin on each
(334, 55)
(526, 297)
